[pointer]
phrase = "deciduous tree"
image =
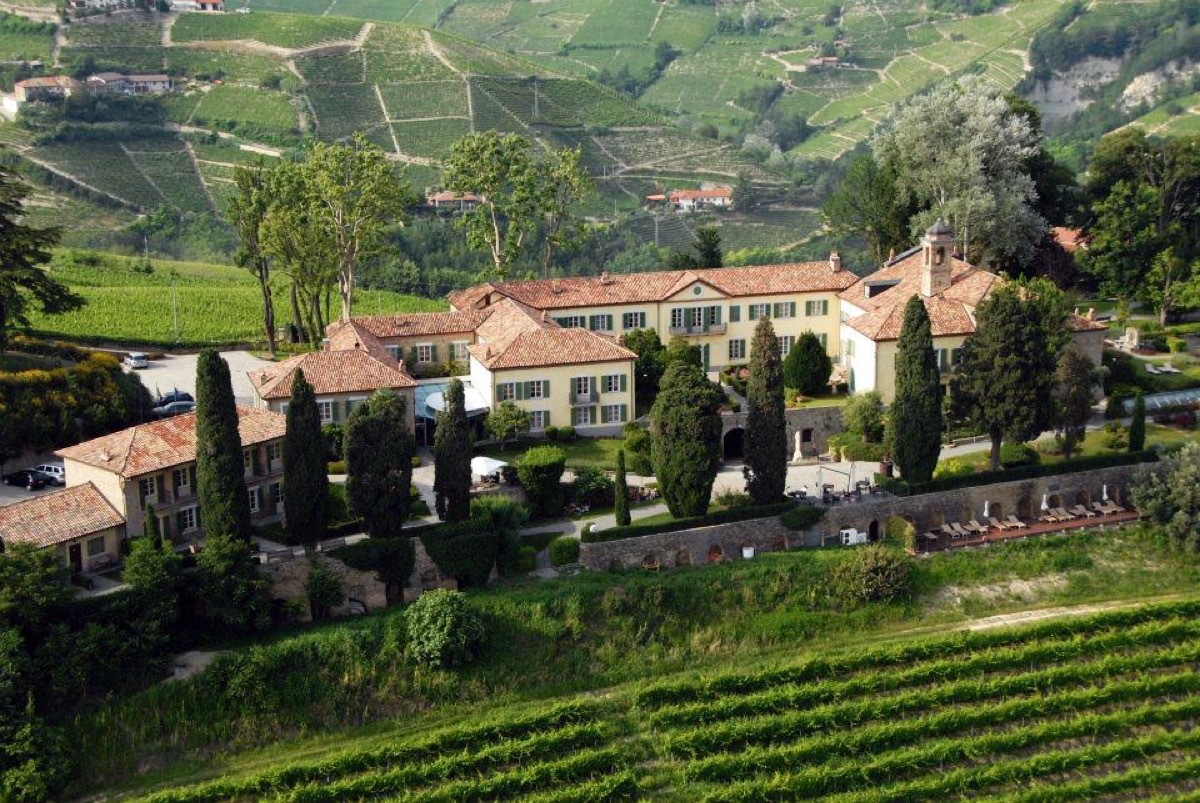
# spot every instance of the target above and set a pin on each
(247, 210)
(233, 594)
(507, 421)
(766, 428)
(379, 452)
(867, 202)
(685, 424)
(24, 285)
(306, 478)
(915, 426)
(220, 469)
(452, 457)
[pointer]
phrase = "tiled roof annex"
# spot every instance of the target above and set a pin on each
(57, 517)
(331, 372)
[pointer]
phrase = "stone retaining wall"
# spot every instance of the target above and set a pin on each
(1022, 498)
(289, 578)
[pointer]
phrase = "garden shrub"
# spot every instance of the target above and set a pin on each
(324, 591)
(592, 487)
(1018, 454)
(336, 467)
(566, 434)
(860, 450)
(902, 530)
(504, 517)
(801, 517)
(526, 559)
(464, 550)
(416, 461)
(720, 517)
(733, 499)
(1116, 405)
(872, 573)
(334, 437)
(540, 470)
(564, 550)
(443, 629)
(392, 559)
(952, 468)
(1115, 436)
(551, 432)
(1176, 344)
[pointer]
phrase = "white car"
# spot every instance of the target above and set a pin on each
(136, 359)
(55, 471)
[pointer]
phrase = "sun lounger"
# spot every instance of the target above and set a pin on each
(959, 530)
(1064, 515)
(1168, 369)
(1151, 369)
(1014, 522)
(948, 530)
(975, 526)
(1080, 510)
(999, 525)
(1049, 516)
(1113, 507)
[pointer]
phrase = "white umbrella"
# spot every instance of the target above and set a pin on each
(986, 508)
(1104, 493)
(482, 466)
(1045, 502)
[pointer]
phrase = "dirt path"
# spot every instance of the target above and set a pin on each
(1042, 614)
(212, 204)
(387, 118)
(437, 53)
(191, 663)
(60, 172)
(167, 24)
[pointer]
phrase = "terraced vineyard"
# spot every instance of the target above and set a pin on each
(1074, 709)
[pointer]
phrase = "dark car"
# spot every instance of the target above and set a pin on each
(174, 396)
(174, 408)
(27, 478)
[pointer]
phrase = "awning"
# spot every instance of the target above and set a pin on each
(486, 465)
(431, 399)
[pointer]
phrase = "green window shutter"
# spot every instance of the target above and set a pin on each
(433, 353)
(164, 524)
(335, 411)
(198, 522)
(592, 414)
(161, 487)
(522, 390)
(624, 382)
(792, 308)
(624, 413)
(192, 477)
(596, 386)
(179, 525)
(349, 409)
(546, 388)
(735, 314)
(547, 418)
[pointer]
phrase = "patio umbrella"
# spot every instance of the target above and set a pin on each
(1104, 493)
(985, 508)
(481, 466)
(1045, 502)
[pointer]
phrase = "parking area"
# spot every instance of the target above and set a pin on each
(9, 494)
(178, 372)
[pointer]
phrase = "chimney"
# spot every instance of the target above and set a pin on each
(835, 261)
(936, 248)
(556, 287)
(605, 278)
(1091, 313)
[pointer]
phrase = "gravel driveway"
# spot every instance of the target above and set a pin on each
(178, 372)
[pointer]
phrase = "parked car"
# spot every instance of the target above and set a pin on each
(174, 408)
(55, 471)
(174, 396)
(136, 359)
(27, 478)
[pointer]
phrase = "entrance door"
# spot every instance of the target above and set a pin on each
(75, 556)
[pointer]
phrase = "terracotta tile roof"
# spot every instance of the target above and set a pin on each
(699, 195)
(517, 336)
(352, 335)
(946, 317)
(419, 324)
(48, 81)
(171, 442)
(635, 288)
(1084, 323)
(446, 195)
(329, 372)
(57, 517)
(1070, 239)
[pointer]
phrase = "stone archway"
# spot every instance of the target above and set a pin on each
(650, 561)
(873, 530)
(716, 554)
(1025, 508)
(683, 558)
(734, 444)
(1083, 497)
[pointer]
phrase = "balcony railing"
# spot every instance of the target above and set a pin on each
(584, 399)
(692, 331)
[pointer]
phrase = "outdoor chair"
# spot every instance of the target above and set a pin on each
(999, 525)
(948, 530)
(959, 530)
(1015, 523)
(1113, 507)
(1080, 510)
(975, 526)
(1049, 516)
(1064, 515)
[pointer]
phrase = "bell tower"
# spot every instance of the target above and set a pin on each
(936, 247)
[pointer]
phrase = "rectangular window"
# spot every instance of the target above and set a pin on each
(95, 546)
(274, 453)
(459, 351)
(824, 338)
(247, 462)
(735, 313)
(582, 385)
(581, 416)
(955, 357)
(612, 383)
(737, 349)
(506, 391)
(633, 320)
(601, 323)
(187, 519)
(785, 344)
(760, 311)
(326, 410)
(538, 419)
(537, 389)
(277, 494)
(813, 308)
(394, 351)
(254, 499)
(425, 352)
(181, 481)
(785, 309)
(612, 413)
(147, 489)
(570, 321)
(677, 317)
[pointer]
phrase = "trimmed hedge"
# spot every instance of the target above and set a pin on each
(391, 558)
(465, 550)
(564, 551)
(901, 488)
(801, 517)
(708, 520)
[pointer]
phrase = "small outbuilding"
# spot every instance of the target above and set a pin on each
(77, 522)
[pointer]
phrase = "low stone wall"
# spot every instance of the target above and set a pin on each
(820, 422)
(289, 578)
(1021, 498)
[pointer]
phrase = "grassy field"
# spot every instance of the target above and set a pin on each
(742, 681)
(280, 30)
(217, 304)
(593, 452)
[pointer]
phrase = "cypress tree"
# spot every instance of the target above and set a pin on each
(621, 501)
(306, 478)
(766, 427)
(452, 457)
(1076, 377)
(686, 430)
(1137, 427)
(807, 366)
(220, 470)
(915, 426)
(150, 529)
(379, 451)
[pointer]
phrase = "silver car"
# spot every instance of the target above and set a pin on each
(136, 359)
(55, 471)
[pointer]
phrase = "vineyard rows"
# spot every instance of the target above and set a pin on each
(1066, 710)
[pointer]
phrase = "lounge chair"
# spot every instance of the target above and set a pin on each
(959, 530)
(1113, 507)
(1063, 515)
(1014, 522)
(1080, 510)
(1099, 509)
(975, 526)
(1049, 516)
(1151, 369)
(999, 525)
(948, 530)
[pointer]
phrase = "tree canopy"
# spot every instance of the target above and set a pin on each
(220, 469)
(306, 478)
(914, 433)
(766, 446)
(379, 452)
(452, 457)
(685, 424)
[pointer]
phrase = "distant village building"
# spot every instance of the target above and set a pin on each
(48, 87)
(717, 196)
(106, 83)
(820, 63)
(456, 201)
(154, 84)
(198, 5)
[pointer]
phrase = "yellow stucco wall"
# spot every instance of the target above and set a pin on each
(111, 554)
(340, 409)
(561, 390)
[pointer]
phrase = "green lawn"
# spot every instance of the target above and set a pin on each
(596, 452)
(1156, 435)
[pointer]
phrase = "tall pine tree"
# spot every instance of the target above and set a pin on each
(621, 493)
(220, 469)
(379, 451)
(306, 478)
(452, 457)
(915, 426)
(685, 424)
(766, 427)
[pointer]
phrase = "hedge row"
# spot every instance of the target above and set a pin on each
(708, 520)
(901, 488)
(391, 558)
